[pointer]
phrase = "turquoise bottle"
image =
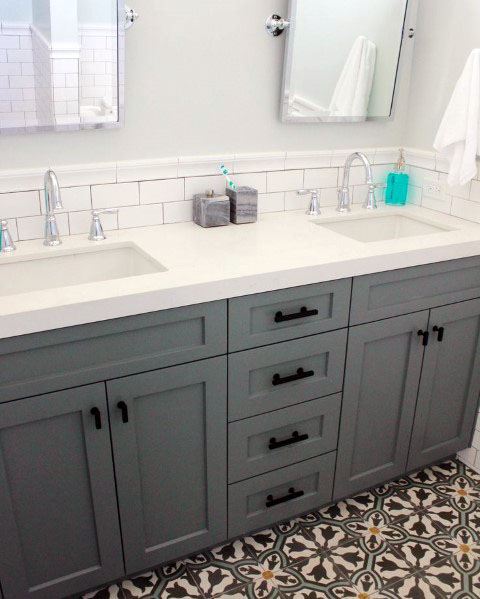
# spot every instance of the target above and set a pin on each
(397, 184)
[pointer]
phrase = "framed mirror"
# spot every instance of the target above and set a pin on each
(61, 64)
(342, 59)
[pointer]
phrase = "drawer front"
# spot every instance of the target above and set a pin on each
(267, 318)
(397, 292)
(271, 441)
(285, 374)
(280, 495)
(43, 362)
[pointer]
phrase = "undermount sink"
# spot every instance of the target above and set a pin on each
(380, 227)
(74, 268)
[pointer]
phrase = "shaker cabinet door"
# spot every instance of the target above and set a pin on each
(450, 384)
(169, 443)
(383, 368)
(58, 512)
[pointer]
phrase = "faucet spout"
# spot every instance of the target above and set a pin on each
(53, 201)
(344, 198)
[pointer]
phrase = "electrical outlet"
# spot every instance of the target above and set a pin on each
(434, 190)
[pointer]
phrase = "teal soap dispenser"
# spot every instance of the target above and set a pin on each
(397, 184)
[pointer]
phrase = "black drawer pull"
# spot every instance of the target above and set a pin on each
(301, 374)
(98, 418)
(292, 494)
(441, 333)
(295, 438)
(121, 405)
(304, 313)
(426, 337)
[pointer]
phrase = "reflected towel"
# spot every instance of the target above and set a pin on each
(352, 93)
(459, 133)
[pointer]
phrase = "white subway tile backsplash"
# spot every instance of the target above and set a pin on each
(322, 177)
(329, 197)
(145, 170)
(140, 216)
(443, 204)
(76, 198)
(86, 174)
(196, 166)
(466, 209)
(26, 203)
(256, 180)
(33, 227)
(284, 181)
(178, 212)
(252, 163)
(159, 192)
(194, 185)
(474, 191)
(339, 157)
(294, 201)
(321, 159)
(271, 202)
(420, 158)
(118, 194)
(414, 195)
(419, 176)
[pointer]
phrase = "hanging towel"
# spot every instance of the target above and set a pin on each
(352, 93)
(458, 136)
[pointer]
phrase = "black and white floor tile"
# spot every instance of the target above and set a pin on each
(415, 538)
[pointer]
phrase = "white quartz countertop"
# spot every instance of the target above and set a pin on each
(281, 250)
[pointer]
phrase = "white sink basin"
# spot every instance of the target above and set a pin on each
(64, 269)
(381, 227)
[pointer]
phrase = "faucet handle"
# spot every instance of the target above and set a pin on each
(6, 242)
(96, 228)
(314, 208)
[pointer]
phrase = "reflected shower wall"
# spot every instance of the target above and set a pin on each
(58, 67)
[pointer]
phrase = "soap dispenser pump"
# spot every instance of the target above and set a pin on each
(397, 183)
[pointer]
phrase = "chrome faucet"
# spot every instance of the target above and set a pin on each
(344, 198)
(6, 242)
(53, 201)
(314, 207)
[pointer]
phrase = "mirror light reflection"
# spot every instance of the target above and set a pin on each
(58, 64)
(342, 59)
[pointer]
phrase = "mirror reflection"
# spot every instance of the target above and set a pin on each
(58, 64)
(342, 59)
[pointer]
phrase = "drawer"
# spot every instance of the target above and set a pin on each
(266, 318)
(269, 378)
(396, 292)
(43, 362)
(280, 495)
(271, 441)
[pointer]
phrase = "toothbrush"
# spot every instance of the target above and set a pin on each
(230, 184)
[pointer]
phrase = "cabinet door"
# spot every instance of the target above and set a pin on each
(450, 385)
(170, 460)
(382, 375)
(58, 511)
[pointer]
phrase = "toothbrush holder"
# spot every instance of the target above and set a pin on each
(243, 205)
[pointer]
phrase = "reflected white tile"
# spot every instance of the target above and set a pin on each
(284, 181)
(167, 190)
(194, 185)
(33, 227)
(26, 203)
(319, 178)
(118, 194)
(256, 180)
(466, 209)
(80, 222)
(140, 216)
(271, 202)
(177, 212)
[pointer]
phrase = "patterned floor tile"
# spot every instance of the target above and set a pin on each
(370, 570)
(454, 468)
(111, 592)
(415, 540)
(317, 577)
(464, 544)
(385, 502)
(421, 497)
(459, 492)
(448, 516)
(413, 587)
(140, 586)
(331, 526)
(450, 582)
(283, 544)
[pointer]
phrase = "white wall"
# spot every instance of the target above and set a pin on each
(202, 78)
(16, 11)
(447, 31)
(95, 11)
(327, 31)
(41, 17)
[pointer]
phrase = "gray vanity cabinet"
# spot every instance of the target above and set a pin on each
(58, 510)
(169, 432)
(450, 384)
(382, 375)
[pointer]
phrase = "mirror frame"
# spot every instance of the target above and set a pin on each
(404, 59)
(121, 91)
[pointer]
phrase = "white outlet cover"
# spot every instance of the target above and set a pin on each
(433, 189)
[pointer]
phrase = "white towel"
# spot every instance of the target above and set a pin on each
(352, 93)
(459, 134)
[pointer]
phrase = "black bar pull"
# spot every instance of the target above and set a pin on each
(121, 405)
(426, 337)
(295, 438)
(98, 418)
(441, 333)
(304, 313)
(292, 494)
(301, 374)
